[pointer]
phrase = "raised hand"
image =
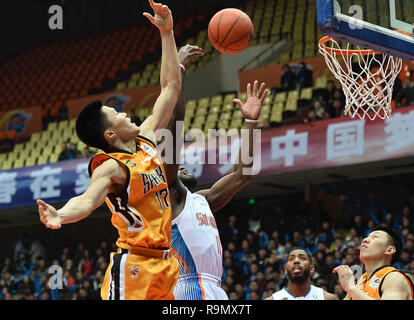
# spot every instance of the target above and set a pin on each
(253, 106)
(48, 215)
(162, 18)
(346, 277)
(187, 53)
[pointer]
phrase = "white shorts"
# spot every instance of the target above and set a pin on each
(199, 286)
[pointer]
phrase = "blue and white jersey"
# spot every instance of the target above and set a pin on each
(314, 293)
(196, 245)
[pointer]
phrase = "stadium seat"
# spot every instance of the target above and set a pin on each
(237, 114)
(212, 117)
(280, 97)
(214, 109)
(227, 107)
(225, 116)
(276, 116)
(217, 100)
(223, 124)
(321, 82)
(293, 95)
(306, 94)
(291, 105)
(7, 164)
(204, 102)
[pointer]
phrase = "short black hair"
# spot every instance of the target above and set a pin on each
(90, 126)
(299, 248)
(394, 240)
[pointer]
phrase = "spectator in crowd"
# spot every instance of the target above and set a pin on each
(87, 152)
(311, 117)
(69, 152)
(337, 109)
(37, 250)
(304, 77)
(22, 247)
(230, 230)
(328, 94)
(405, 96)
(288, 79)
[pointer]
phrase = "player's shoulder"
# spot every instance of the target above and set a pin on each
(395, 278)
(109, 167)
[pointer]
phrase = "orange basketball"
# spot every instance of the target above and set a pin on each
(230, 31)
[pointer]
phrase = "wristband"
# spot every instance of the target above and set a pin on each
(251, 120)
(182, 67)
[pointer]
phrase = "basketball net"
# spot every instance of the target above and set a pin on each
(367, 78)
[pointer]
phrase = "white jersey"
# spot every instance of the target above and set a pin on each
(314, 293)
(196, 244)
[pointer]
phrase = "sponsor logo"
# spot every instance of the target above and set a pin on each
(375, 282)
(134, 272)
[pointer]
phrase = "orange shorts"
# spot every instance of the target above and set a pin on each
(135, 277)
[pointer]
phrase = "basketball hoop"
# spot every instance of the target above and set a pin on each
(368, 83)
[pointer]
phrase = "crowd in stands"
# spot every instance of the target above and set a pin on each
(330, 102)
(255, 244)
(70, 151)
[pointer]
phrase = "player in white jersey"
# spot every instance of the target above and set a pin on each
(195, 240)
(299, 271)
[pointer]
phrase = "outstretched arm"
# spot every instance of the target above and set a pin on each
(170, 76)
(102, 181)
(224, 189)
(185, 55)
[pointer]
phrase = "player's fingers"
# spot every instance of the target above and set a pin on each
(197, 54)
(249, 90)
(264, 95)
(256, 83)
(238, 102)
(152, 3)
(41, 204)
(150, 17)
(260, 92)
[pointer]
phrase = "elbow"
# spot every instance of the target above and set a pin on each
(173, 85)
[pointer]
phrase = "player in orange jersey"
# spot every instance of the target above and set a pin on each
(379, 251)
(129, 176)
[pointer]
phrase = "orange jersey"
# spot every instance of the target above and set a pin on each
(142, 212)
(372, 286)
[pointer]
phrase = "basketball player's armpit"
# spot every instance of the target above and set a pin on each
(81, 206)
(224, 190)
(103, 178)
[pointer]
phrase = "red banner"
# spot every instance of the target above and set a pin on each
(138, 98)
(322, 144)
(23, 121)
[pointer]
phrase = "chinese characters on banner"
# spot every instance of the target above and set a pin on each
(322, 144)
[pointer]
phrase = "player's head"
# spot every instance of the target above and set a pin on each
(187, 179)
(382, 242)
(298, 266)
(100, 126)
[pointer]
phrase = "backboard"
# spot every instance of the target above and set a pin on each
(371, 24)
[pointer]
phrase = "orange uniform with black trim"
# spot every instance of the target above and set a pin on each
(372, 286)
(143, 267)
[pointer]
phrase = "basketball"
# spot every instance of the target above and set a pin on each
(230, 31)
